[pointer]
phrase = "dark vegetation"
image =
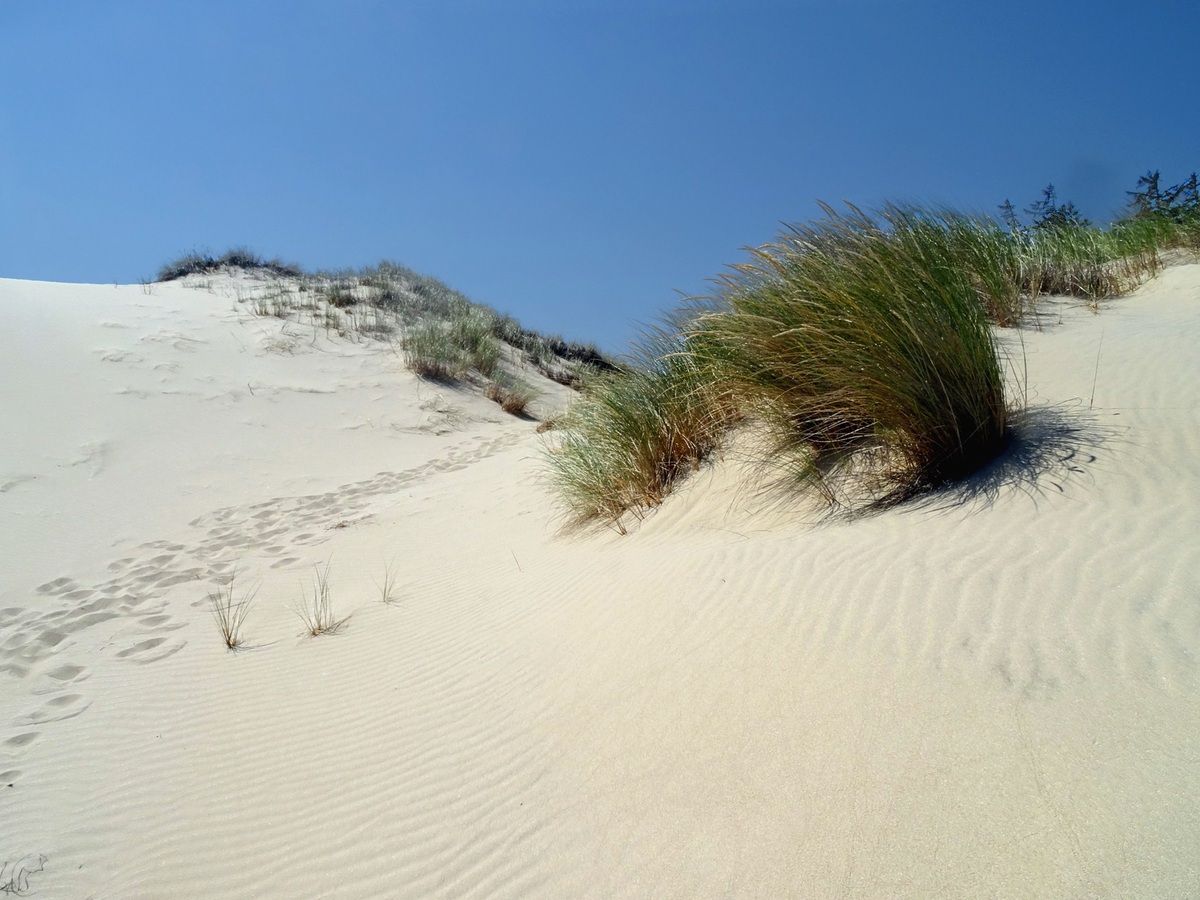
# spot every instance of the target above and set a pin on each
(196, 263)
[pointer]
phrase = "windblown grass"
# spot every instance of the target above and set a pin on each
(863, 346)
(471, 332)
(861, 343)
(989, 256)
(381, 299)
(449, 350)
(1086, 262)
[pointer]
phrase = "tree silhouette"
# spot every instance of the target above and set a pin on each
(1049, 213)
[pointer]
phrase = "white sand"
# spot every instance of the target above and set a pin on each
(991, 694)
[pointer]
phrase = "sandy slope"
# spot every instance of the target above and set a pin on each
(992, 693)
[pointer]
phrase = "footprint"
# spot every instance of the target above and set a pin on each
(68, 673)
(151, 650)
(21, 741)
(141, 647)
(90, 619)
(65, 706)
(57, 586)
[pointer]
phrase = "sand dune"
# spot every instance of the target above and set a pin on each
(988, 693)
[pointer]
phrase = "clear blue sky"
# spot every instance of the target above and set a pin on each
(574, 163)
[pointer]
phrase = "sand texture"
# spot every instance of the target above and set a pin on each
(992, 692)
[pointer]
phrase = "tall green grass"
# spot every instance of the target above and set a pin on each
(863, 346)
(1087, 262)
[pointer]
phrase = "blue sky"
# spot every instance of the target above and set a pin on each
(573, 163)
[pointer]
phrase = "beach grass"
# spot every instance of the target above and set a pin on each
(512, 394)
(387, 585)
(632, 434)
(430, 351)
(230, 613)
(316, 608)
(862, 344)
(198, 263)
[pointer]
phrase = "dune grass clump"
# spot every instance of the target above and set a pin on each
(196, 263)
(316, 610)
(230, 614)
(448, 335)
(1082, 261)
(990, 257)
(471, 333)
(430, 352)
(633, 434)
(447, 350)
(863, 346)
(512, 394)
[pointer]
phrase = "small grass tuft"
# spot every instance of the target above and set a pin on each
(230, 614)
(387, 587)
(316, 610)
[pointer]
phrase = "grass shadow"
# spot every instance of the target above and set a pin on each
(1047, 447)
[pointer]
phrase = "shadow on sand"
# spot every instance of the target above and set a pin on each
(1047, 448)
